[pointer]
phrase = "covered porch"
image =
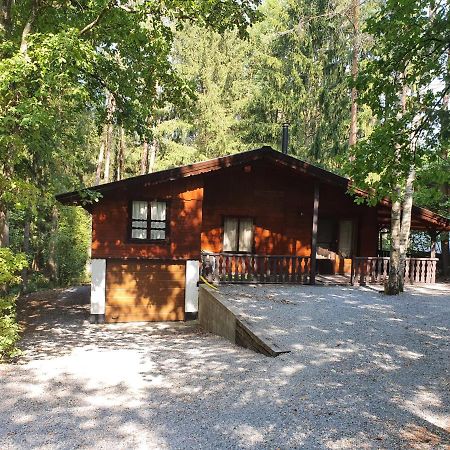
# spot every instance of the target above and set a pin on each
(294, 223)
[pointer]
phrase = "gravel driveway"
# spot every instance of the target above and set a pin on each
(365, 371)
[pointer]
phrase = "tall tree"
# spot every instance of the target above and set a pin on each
(355, 13)
(216, 66)
(109, 137)
(300, 63)
(409, 53)
(56, 62)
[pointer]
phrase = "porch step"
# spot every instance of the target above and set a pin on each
(217, 315)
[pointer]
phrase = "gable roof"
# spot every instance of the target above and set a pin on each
(238, 159)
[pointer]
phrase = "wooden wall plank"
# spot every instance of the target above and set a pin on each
(110, 221)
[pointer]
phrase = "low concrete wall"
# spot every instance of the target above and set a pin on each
(217, 315)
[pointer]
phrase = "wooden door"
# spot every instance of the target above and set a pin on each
(144, 291)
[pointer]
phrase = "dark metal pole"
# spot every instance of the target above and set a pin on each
(285, 139)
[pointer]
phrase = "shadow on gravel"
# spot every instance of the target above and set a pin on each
(373, 376)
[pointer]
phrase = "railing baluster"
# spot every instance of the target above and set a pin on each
(293, 269)
(274, 269)
(432, 270)
(376, 269)
(407, 264)
(417, 271)
(249, 268)
(378, 275)
(362, 277)
(304, 270)
(258, 266)
(423, 272)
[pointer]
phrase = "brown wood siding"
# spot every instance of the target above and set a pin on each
(144, 291)
(110, 222)
(279, 203)
(279, 200)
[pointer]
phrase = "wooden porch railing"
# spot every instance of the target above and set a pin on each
(375, 270)
(247, 268)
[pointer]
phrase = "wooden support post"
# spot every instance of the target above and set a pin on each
(312, 279)
(433, 236)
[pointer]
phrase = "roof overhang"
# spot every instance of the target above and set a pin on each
(430, 219)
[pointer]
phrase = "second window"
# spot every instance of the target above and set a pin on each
(238, 234)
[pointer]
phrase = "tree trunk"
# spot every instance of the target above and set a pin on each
(53, 269)
(109, 136)
(28, 28)
(433, 236)
(26, 250)
(144, 157)
(407, 205)
(355, 66)
(6, 16)
(393, 286)
(397, 257)
(153, 153)
(445, 250)
(4, 227)
(445, 188)
(121, 154)
(101, 155)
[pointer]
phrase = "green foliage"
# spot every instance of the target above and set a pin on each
(215, 66)
(299, 63)
(293, 67)
(409, 59)
(433, 182)
(10, 266)
(72, 241)
(9, 328)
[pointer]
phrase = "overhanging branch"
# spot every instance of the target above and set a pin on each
(97, 20)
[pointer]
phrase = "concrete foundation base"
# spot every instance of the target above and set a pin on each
(97, 318)
(190, 316)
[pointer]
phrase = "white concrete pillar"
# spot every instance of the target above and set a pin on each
(98, 290)
(191, 289)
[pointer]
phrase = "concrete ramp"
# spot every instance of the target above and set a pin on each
(217, 315)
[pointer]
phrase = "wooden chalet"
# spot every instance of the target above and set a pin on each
(258, 216)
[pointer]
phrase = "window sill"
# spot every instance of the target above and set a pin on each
(149, 241)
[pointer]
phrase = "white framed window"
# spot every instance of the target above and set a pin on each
(139, 220)
(148, 220)
(238, 234)
(158, 220)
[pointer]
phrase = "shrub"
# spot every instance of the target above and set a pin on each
(9, 328)
(72, 242)
(10, 266)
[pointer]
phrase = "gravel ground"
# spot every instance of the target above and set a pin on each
(365, 371)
